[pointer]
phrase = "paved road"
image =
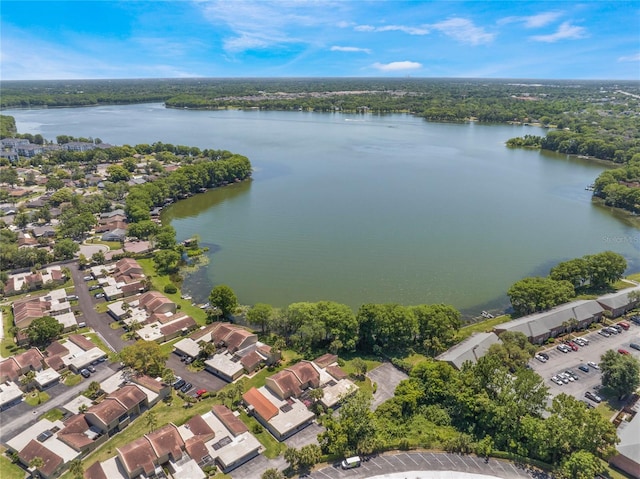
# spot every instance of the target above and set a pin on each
(393, 463)
(387, 377)
(100, 322)
(18, 418)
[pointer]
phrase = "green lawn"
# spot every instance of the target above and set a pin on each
(36, 398)
(52, 415)
(9, 470)
(7, 346)
(160, 281)
(72, 380)
(273, 447)
(482, 326)
(634, 277)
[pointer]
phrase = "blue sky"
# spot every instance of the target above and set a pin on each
(314, 38)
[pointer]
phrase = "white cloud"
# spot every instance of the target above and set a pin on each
(397, 66)
(630, 58)
(421, 30)
(464, 31)
(337, 48)
(566, 31)
(533, 21)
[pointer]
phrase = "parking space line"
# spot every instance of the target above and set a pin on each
(410, 456)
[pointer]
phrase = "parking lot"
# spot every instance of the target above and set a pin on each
(587, 381)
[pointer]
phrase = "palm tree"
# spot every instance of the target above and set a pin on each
(35, 463)
(76, 469)
(152, 421)
(207, 349)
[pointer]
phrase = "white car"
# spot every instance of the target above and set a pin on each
(540, 358)
(557, 380)
(593, 365)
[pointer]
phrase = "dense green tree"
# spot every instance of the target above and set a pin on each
(43, 330)
(9, 176)
(605, 268)
(118, 173)
(272, 473)
(260, 314)
(581, 465)
(145, 357)
(352, 430)
(166, 260)
(223, 298)
(143, 229)
(386, 326)
(65, 249)
(530, 295)
(620, 372)
(437, 326)
(576, 271)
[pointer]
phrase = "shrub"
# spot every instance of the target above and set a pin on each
(170, 289)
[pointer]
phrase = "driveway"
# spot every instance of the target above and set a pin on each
(387, 377)
(389, 465)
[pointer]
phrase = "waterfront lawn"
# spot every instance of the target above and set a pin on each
(634, 277)
(160, 281)
(482, 326)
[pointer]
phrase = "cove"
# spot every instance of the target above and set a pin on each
(365, 208)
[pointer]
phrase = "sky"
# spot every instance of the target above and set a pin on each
(591, 39)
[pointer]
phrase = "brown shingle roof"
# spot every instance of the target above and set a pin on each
(138, 453)
(54, 362)
(230, 421)
(251, 360)
(32, 359)
(82, 342)
(196, 335)
(183, 323)
(325, 360)
(306, 373)
(261, 404)
(199, 427)
(167, 441)
(129, 395)
(149, 383)
(73, 432)
(337, 372)
(108, 410)
(95, 471)
(288, 383)
(10, 369)
(56, 348)
(236, 338)
(196, 449)
(51, 460)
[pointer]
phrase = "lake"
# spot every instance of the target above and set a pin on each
(366, 208)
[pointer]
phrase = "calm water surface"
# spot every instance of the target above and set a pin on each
(361, 209)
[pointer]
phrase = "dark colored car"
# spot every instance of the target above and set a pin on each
(186, 387)
(544, 355)
(85, 373)
(94, 287)
(593, 397)
(179, 384)
(635, 346)
(91, 369)
(584, 367)
(604, 332)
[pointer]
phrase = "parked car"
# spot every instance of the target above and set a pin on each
(85, 373)
(563, 348)
(594, 397)
(179, 384)
(94, 287)
(593, 365)
(612, 330)
(186, 387)
(557, 380)
(91, 369)
(540, 358)
(572, 345)
(88, 278)
(618, 328)
(635, 319)
(581, 341)
(570, 373)
(189, 360)
(604, 332)
(565, 378)
(544, 355)
(200, 392)
(623, 351)
(635, 346)
(624, 325)
(584, 367)
(99, 295)
(176, 379)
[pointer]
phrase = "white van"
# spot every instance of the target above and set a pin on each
(351, 462)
